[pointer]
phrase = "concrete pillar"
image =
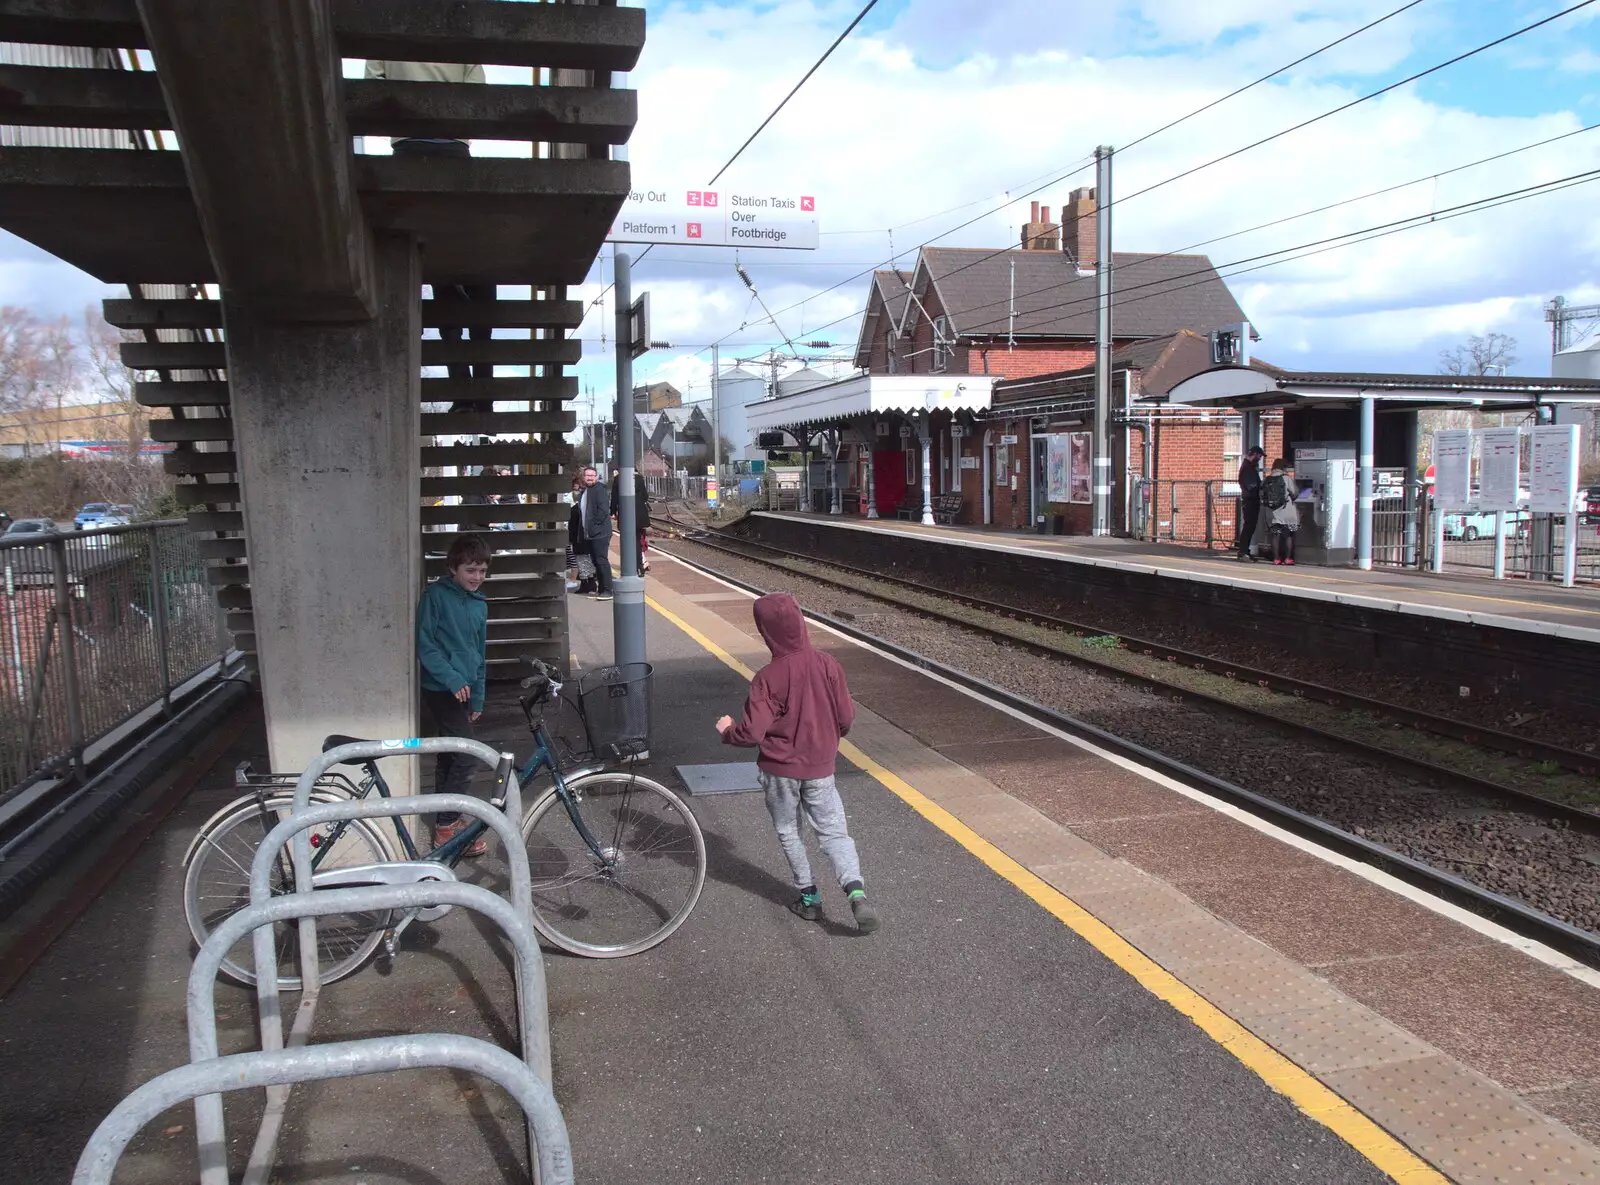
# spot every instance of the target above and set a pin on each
(1364, 483)
(925, 431)
(327, 424)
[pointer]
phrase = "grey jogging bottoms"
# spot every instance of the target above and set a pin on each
(819, 798)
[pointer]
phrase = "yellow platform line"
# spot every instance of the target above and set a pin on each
(1298, 1085)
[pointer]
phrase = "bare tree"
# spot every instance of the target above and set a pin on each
(1493, 353)
(112, 382)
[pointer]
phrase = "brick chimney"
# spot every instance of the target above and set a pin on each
(1079, 227)
(1040, 234)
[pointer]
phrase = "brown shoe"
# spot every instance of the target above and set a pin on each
(443, 833)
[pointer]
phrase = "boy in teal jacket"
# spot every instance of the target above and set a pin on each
(452, 643)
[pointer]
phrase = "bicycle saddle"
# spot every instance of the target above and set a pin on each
(334, 740)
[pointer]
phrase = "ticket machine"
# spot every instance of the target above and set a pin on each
(1325, 490)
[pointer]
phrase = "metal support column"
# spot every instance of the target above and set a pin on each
(1102, 345)
(1364, 484)
(69, 650)
(872, 473)
(158, 616)
(1409, 557)
(716, 427)
(836, 499)
(925, 432)
(627, 612)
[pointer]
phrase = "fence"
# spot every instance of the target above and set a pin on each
(1190, 511)
(95, 626)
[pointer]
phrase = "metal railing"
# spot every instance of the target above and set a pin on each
(96, 626)
(1202, 513)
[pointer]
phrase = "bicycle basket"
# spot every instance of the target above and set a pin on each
(615, 705)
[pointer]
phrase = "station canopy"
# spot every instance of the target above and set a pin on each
(873, 395)
(1258, 387)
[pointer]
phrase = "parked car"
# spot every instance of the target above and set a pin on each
(30, 526)
(1589, 504)
(91, 514)
(1479, 524)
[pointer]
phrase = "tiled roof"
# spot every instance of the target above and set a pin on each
(1152, 295)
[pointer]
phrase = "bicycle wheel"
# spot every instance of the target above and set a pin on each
(658, 865)
(216, 885)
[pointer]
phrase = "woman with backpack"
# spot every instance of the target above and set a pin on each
(1277, 494)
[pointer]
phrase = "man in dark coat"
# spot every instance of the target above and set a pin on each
(1249, 499)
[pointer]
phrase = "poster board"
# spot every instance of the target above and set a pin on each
(1553, 468)
(1058, 485)
(1081, 467)
(1499, 469)
(1452, 466)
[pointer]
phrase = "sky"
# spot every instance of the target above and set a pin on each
(936, 112)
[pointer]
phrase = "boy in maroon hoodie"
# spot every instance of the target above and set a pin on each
(799, 706)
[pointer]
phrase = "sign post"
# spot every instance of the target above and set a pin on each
(627, 613)
(1499, 480)
(1452, 482)
(1553, 485)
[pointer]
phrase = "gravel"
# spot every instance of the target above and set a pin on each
(1549, 866)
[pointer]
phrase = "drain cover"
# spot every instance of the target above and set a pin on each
(728, 777)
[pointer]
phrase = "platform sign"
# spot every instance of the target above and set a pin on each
(717, 218)
(1452, 463)
(1499, 468)
(1553, 468)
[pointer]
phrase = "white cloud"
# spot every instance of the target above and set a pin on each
(954, 103)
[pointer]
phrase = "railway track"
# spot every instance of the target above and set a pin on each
(1454, 730)
(1516, 915)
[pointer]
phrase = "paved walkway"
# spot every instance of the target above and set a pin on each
(977, 1037)
(1517, 604)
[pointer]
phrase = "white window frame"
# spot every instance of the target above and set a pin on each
(941, 348)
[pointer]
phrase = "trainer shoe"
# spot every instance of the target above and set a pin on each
(807, 906)
(866, 916)
(605, 597)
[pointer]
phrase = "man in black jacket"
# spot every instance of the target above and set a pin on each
(1249, 499)
(594, 510)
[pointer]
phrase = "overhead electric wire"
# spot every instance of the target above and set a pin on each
(1256, 144)
(1087, 162)
(1167, 127)
(839, 40)
(1461, 57)
(1313, 247)
(1323, 209)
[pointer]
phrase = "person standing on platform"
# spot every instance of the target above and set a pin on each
(641, 505)
(452, 649)
(594, 520)
(1277, 495)
(445, 294)
(798, 708)
(1249, 500)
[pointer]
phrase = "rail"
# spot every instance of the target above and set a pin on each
(96, 627)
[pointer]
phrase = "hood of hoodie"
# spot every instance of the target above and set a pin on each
(782, 625)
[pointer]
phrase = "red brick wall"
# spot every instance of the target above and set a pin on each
(1190, 449)
(1024, 361)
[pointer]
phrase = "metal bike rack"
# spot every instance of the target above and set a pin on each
(341, 1059)
(516, 918)
(210, 1126)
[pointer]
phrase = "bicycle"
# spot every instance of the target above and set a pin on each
(616, 869)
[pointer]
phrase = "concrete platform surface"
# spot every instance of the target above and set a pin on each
(1508, 604)
(1036, 1007)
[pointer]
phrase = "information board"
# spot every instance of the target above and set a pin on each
(1553, 468)
(1499, 469)
(1452, 469)
(717, 218)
